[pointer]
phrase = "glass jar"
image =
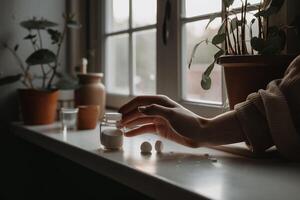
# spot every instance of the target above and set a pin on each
(111, 136)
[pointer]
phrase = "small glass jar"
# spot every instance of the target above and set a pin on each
(111, 136)
(68, 118)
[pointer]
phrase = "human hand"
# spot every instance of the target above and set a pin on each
(160, 115)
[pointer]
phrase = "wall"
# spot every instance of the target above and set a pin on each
(14, 171)
(11, 13)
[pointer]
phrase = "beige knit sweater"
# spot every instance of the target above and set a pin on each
(272, 116)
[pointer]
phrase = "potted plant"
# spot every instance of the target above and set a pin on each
(248, 64)
(38, 98)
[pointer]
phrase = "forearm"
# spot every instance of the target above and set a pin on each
(223, 129)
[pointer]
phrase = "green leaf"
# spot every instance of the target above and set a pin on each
(228, 3)
(205, 82)
(211, 19)
(219, 53)
(73, 24)
(219, 38)
(209, 69)
(222, 27)
(10, 79)
(234, 24)
(16, 47)
(37, 24)
(55, 35)
(29, 37)
(257, 44)
(41, 56)
(273, 45)
(194, 52)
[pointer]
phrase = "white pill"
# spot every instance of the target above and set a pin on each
(111, 138)
(146, 147)
(158, 146)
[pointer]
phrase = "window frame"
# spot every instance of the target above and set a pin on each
(171, 68)
(115, 100)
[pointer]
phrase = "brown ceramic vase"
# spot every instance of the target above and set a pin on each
(91, 91)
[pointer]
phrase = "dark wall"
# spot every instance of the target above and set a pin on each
(14, 169)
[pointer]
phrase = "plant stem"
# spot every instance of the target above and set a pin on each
(228, 38)
(243, 33)
(42, 66)
(25, 72)
(40, 38)
(225, 18)
(57, 55)
(234, 38)
(33, 45)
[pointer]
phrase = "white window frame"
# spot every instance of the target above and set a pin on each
(171, 68)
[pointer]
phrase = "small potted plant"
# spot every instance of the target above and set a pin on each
(38, 98)
(248, 64)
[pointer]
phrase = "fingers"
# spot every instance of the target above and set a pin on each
(149, 128)
(131, 116)
(156, 110)
(139, 121)
(152, 110)
(144, 101)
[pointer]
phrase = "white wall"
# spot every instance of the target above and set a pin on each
(11, 13)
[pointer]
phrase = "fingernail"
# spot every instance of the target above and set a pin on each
(141, 108)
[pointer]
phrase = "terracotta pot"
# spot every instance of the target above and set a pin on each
(87, 117)
(91, 91)
(249, 73)
(38, 107)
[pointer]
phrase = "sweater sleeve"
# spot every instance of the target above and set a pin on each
(268, 118)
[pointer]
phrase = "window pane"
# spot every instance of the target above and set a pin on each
(117, 16)
(191, 79)
(201, 7)
(144, 47)
(237, 4)
(143, 12)
(117, 64)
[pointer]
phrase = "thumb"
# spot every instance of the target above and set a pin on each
(156, 110)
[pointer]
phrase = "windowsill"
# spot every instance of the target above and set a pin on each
(181, 172)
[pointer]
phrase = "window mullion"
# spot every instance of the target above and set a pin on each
(131, 67)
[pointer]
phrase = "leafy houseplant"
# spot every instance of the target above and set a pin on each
(39, 100)
(244, 60)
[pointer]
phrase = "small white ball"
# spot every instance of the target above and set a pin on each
(146, 147)
(159, 146)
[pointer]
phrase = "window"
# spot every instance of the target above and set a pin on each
(137, 61)
(195, 17)
(130, 47)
